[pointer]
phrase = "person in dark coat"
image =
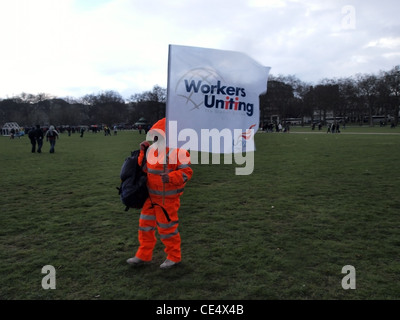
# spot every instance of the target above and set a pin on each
(36, 137)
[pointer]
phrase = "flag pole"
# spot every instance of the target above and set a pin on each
(163, 191)
(166, 119)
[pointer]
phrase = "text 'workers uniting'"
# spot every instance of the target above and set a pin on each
(231, 102)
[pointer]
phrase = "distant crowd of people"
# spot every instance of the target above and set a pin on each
(331, 127)
(276, 127)
(13, 132)
(38, 134)
(285, 127)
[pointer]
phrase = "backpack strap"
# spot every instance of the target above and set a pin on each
(144, 158)
(163, 209)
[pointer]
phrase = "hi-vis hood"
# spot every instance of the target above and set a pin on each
(158, 129)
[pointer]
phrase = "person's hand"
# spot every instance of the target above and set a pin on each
(165, 177)
(144, 145)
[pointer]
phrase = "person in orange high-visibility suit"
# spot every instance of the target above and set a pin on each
(168, 170)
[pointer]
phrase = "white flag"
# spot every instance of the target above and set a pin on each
(213, 99)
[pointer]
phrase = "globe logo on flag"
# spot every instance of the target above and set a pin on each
(207, 76)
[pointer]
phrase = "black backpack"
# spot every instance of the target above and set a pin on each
(133, 189)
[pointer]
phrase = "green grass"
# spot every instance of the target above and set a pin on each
(314, 203)
(350, 128)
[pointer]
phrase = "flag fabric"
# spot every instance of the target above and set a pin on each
(213, 99)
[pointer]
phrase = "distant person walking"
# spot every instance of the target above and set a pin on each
(51, 136)
(36, 137)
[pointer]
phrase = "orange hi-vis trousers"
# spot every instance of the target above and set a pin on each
(153, 217)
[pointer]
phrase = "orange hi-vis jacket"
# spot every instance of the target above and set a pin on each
(177, 165)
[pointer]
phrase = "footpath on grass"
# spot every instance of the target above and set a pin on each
(318, 132)
(347, 130)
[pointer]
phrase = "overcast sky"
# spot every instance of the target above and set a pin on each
(78, 47)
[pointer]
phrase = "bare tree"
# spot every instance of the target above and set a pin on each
(392, 80)
(149, 104)
(367, 88)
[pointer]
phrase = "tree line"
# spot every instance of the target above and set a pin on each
(354, 99)
(106, 107)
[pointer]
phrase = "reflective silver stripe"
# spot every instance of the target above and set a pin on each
(169, 235)
(147, 228)
(167, 193)
(147, 217)
(183, 166)
(154, 171)
(185, 177)
(167, 225)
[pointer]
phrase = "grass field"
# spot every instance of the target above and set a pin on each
(314, 203)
